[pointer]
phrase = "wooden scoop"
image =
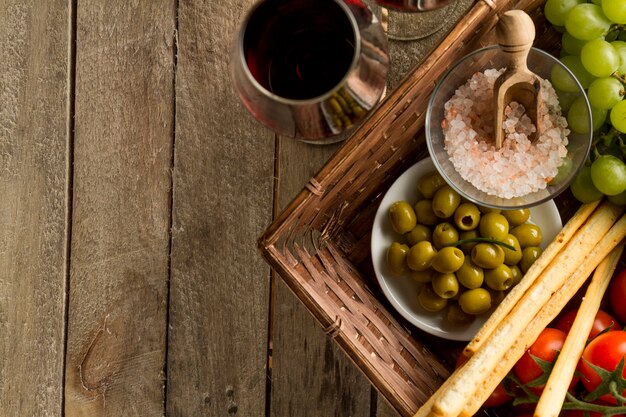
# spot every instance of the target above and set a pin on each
(515, 32)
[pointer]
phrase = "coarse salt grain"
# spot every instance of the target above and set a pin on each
(519, 167)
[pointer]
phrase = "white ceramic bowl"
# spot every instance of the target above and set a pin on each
(401, 290)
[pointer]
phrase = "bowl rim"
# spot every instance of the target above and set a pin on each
(431, 151)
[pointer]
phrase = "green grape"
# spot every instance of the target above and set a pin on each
(604, 93)
(608, 174)
(618, 116)
(566, 99)
(615, 10)
(598, 2)
(563, 172)
(582, 187)
(556, 10)
(618, 199)
(571, 45)
(600, 58)
(587, 21)
(564, 81)
(620, 47)
(577, 116)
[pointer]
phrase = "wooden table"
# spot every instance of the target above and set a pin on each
(133, 188)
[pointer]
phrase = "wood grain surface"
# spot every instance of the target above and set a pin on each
(118, 291)
(34, 159)
(135, 185)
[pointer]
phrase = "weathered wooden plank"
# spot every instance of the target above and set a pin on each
(124, 116)
(34, 160)
(223, 182)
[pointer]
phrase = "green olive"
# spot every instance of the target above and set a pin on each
(517, 216)
(476, 301)
(493, 225)
(445, 202)
(425, 214)
(396, 258)
(487, 255)
(445, 285)
(527, 234)
(467, 216)
(402, 216)
(430, 183)
(529, 256)
(467, 247)
(485, 210)
(448, 259)
(421, 256)
(429, 300)
(418, 234)
(457, 316)
(499, 278)
(517, 274)
(444, 234)
(511, 257)
(422, 276)
(469, 275)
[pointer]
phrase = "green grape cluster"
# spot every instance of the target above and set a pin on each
(594, 50)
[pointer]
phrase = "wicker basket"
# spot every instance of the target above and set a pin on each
(320, 243)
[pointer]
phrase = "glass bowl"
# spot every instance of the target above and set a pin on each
(539, 62)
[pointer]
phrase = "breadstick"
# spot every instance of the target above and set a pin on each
(450, 403)
(553, 395)
(509, 354)
(505, 307)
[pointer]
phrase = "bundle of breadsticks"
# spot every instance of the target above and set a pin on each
(591, 240)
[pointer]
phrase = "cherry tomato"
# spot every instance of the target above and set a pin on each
(499, 395)
(605, 351)
(617, 296)
(546, 347)
(602, 321)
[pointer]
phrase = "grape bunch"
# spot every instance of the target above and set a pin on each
(594, 50)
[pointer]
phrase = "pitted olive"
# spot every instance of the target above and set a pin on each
(445, 285)
(418, 234)
(476, 301)
(402, 216)
(517, 216)
(499, 278)
(445, 202)
(511, 257)
(493, 225)
(487, 255)
(425, 214)
(429, 300)
(470, 275)
(529, 256)
(448, 259)
(467, 216)
(396, 258)
(444, 234)
(527, 234)
(430, 183)
(422, 276)
(421, 256)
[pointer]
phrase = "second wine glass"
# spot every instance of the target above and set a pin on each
(402, 21)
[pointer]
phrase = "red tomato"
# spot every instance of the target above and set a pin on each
(602, 321)
(581, 413)
(605, 351)
(617, 296)
(546, 347)
(499, 395)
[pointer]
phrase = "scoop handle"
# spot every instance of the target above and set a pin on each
(515, 33)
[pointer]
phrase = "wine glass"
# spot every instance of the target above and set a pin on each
(402, 23)
(310, 69)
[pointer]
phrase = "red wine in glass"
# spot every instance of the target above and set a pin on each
(310, 69)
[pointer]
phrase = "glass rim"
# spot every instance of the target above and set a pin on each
(297, 102)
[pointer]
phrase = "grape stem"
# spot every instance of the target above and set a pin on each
(620, 77)
(482, 239)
